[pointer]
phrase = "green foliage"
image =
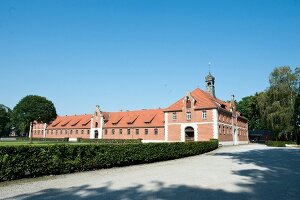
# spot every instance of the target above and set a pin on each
(278, 143)
(111, 141)
(32, 108)
(249, 108)
(32, 161)
(297, 116)
(276, 104)
(5, 122)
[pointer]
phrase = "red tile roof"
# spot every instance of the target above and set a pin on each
(203, 100)
(138, 118)
(74, 121)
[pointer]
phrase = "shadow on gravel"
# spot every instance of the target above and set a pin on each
(278, 179)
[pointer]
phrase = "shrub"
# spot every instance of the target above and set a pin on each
(278, 143)
(111, 141)
(32, 161)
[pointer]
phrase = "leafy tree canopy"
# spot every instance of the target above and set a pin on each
(249, 108)
(4, 120)
(277, 104)
(33, 108)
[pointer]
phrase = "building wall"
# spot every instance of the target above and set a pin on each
(108, 133)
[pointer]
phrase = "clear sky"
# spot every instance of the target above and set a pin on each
(135, 54)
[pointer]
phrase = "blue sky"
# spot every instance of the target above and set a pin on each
(133, 54)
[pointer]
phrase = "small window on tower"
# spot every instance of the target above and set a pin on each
(188, 115)
(204, 114)
(174, 116)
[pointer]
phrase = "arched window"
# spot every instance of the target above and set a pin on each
(96, 124)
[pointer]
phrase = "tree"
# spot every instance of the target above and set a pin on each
(4, 120)
(249, 108)
(33, 108)
(297, 117)
(277, 103)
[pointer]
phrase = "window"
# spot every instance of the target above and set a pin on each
(120, 131)
(174, 116)
(113, 131)
(82, 131)
(88, 132)
(128, 131)
(96, 124)
(76, 131)
(188, 115)
(224, 130)
(61, 131)
(146, 131)
(105, 132)
(155, 131)
(204, 114)
(137, 131)
(71, 131)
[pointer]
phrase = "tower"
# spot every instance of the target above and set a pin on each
(210, 84)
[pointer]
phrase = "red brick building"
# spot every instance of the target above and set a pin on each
(198, 116)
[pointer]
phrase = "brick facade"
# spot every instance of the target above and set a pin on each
(198, 116)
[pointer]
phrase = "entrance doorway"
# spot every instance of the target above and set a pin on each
(96, 134)
(189, 134)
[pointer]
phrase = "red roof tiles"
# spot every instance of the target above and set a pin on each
(138, 118)
(62, 122)
(202, 100)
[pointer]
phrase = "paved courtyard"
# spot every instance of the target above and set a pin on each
(236, 172)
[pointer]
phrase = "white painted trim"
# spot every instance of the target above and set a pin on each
(30, 130)
(92, 133)
(182, 131)
(215, 121)
(166, 127)
(45, 126)
(194, 123)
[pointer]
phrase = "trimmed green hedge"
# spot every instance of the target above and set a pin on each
(32, 161)
(83, 140)
(111, 141)
(278, 143)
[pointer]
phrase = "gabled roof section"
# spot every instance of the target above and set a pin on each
(202, 100)
(73, 121)
(137, 118)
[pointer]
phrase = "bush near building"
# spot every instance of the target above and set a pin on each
(278, 143)
(26, 161)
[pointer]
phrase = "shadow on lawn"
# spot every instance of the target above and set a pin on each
(280, 181)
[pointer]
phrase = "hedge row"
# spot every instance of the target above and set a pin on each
(111, 141)
(278, 143)
(106, 141)
(32, 161)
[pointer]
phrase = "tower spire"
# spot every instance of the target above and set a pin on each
(210, 82)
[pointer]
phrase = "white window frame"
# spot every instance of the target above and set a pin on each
(204, 114)
(189, 116)
(174, 117)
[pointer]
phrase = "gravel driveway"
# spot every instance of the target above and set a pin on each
(236, 172)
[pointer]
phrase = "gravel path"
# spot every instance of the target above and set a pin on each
(246, 171)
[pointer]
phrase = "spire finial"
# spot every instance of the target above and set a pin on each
(209, 66)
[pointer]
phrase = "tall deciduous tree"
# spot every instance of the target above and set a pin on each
(33, 108)
(277, 103)
(4, 120)
(249, 108)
